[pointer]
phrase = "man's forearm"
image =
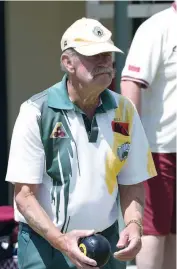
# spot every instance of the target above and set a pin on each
(37, 218)
(132, 201)
(132, 90)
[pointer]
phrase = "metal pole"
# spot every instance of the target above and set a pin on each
(123, 35)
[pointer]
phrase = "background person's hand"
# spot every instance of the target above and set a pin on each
(129, 243)
(70, 248)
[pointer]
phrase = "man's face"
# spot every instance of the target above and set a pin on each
(96, 71)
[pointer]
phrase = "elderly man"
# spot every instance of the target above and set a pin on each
(72, 146)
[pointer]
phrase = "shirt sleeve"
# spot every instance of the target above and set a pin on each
(139, 165)
(26, 157)
(144, 54)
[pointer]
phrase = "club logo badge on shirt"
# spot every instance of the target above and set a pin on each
(123, 150)
(120, 127)
(59, 131)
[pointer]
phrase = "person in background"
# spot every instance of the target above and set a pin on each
(149, 79)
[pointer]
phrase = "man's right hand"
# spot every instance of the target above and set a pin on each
(68, 244)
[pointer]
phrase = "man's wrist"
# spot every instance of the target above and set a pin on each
(56, 239)
(138, 223)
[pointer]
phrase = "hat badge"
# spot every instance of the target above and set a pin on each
(98, 31)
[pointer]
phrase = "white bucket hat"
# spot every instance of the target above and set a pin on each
(88, 37)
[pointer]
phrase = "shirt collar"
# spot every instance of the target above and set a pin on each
(58, 97)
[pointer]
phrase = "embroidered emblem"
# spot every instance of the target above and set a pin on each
(120, 127)
(122, 151)
(134, 68)
(59, 131)
(98, 31)
(65, 43)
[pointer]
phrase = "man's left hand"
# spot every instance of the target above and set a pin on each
(129, 243)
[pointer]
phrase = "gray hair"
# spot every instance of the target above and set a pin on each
(69, 52)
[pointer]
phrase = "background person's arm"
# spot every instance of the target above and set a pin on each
(132, 90)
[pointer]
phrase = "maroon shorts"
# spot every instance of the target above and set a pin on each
(160, 207)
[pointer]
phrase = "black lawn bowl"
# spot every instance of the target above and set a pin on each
(96, 247)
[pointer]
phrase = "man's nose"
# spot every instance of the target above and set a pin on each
(106, 57)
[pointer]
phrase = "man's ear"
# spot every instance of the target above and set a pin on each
(68, 63)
